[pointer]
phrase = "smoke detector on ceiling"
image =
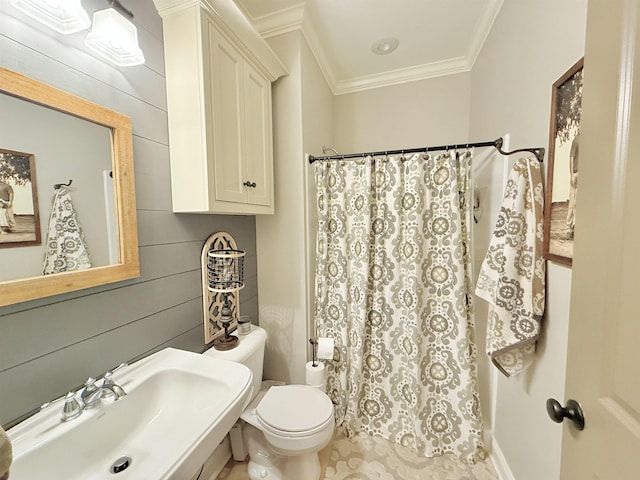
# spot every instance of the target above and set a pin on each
(385, 46)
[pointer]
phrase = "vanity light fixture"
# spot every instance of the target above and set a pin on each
(114, 37)
(63, 16)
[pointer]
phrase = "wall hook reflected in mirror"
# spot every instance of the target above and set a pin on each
(477, 210)
(58, 185)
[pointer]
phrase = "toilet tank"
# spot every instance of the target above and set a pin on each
(249, 352)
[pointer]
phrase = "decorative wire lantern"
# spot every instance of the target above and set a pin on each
(225, 274)
(225, 270)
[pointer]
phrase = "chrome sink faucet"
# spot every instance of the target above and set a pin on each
(92, 395)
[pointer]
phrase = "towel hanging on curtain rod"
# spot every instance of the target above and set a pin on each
(538, 152)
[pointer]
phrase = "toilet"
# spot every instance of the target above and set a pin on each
(284, 426)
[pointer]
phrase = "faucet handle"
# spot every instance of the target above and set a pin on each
(109, 373)
(90, 383)
(89, 387)
(122, 365)
(72, 408)
(109, 387)
(90, 396)
(107, 378)
(107, 384)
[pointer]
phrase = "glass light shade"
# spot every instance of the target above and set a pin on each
(64, 16)
(114, 38)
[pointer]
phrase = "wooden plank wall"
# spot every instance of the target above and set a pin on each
(51, 345)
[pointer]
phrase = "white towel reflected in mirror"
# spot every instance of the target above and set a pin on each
(66, 248)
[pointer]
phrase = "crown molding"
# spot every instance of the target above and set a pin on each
(293, 18)
(230, 20)
(403, 75)
(168, 7)
(290, 20)
(310, 34)
(482, 33)
(280, 22)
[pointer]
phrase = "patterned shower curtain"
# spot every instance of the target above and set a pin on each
(393, 287)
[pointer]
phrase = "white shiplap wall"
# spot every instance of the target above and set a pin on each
(51, 345)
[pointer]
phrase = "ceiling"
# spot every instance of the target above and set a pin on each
(436, 37)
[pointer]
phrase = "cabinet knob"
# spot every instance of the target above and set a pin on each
(250, 184)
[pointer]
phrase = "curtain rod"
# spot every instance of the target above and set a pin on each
(538, 152)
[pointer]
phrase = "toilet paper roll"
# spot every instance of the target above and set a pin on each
(315, 375)
(325, 348)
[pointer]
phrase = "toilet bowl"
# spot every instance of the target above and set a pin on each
(286, 426)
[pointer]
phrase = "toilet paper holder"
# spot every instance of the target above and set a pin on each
(314, 351)
(322, 348)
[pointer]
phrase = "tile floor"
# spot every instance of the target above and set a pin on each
(373, 458)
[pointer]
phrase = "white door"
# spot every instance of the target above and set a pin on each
(603, 370)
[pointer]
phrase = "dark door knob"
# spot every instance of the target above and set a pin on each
(250, 184)
(573, 411)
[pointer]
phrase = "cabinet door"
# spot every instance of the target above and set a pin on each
(257, 138)
(227, 84)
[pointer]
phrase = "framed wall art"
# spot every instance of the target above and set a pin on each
(19, 217)
(562, 167)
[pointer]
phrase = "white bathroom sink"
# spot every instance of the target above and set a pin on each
(178, 408)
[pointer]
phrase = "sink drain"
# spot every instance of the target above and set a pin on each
(120, 465)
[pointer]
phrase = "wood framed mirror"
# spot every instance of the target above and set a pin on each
(115, 195)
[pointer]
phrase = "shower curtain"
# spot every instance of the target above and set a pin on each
(393, 288)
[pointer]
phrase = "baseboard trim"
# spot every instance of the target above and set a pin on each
(500, 462)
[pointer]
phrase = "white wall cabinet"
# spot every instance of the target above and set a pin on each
(219, 73)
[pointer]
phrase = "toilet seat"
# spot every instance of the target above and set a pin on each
(294, 411)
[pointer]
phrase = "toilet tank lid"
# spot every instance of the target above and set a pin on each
(248, 345)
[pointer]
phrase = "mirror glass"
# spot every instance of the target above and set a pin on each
(66, 185)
